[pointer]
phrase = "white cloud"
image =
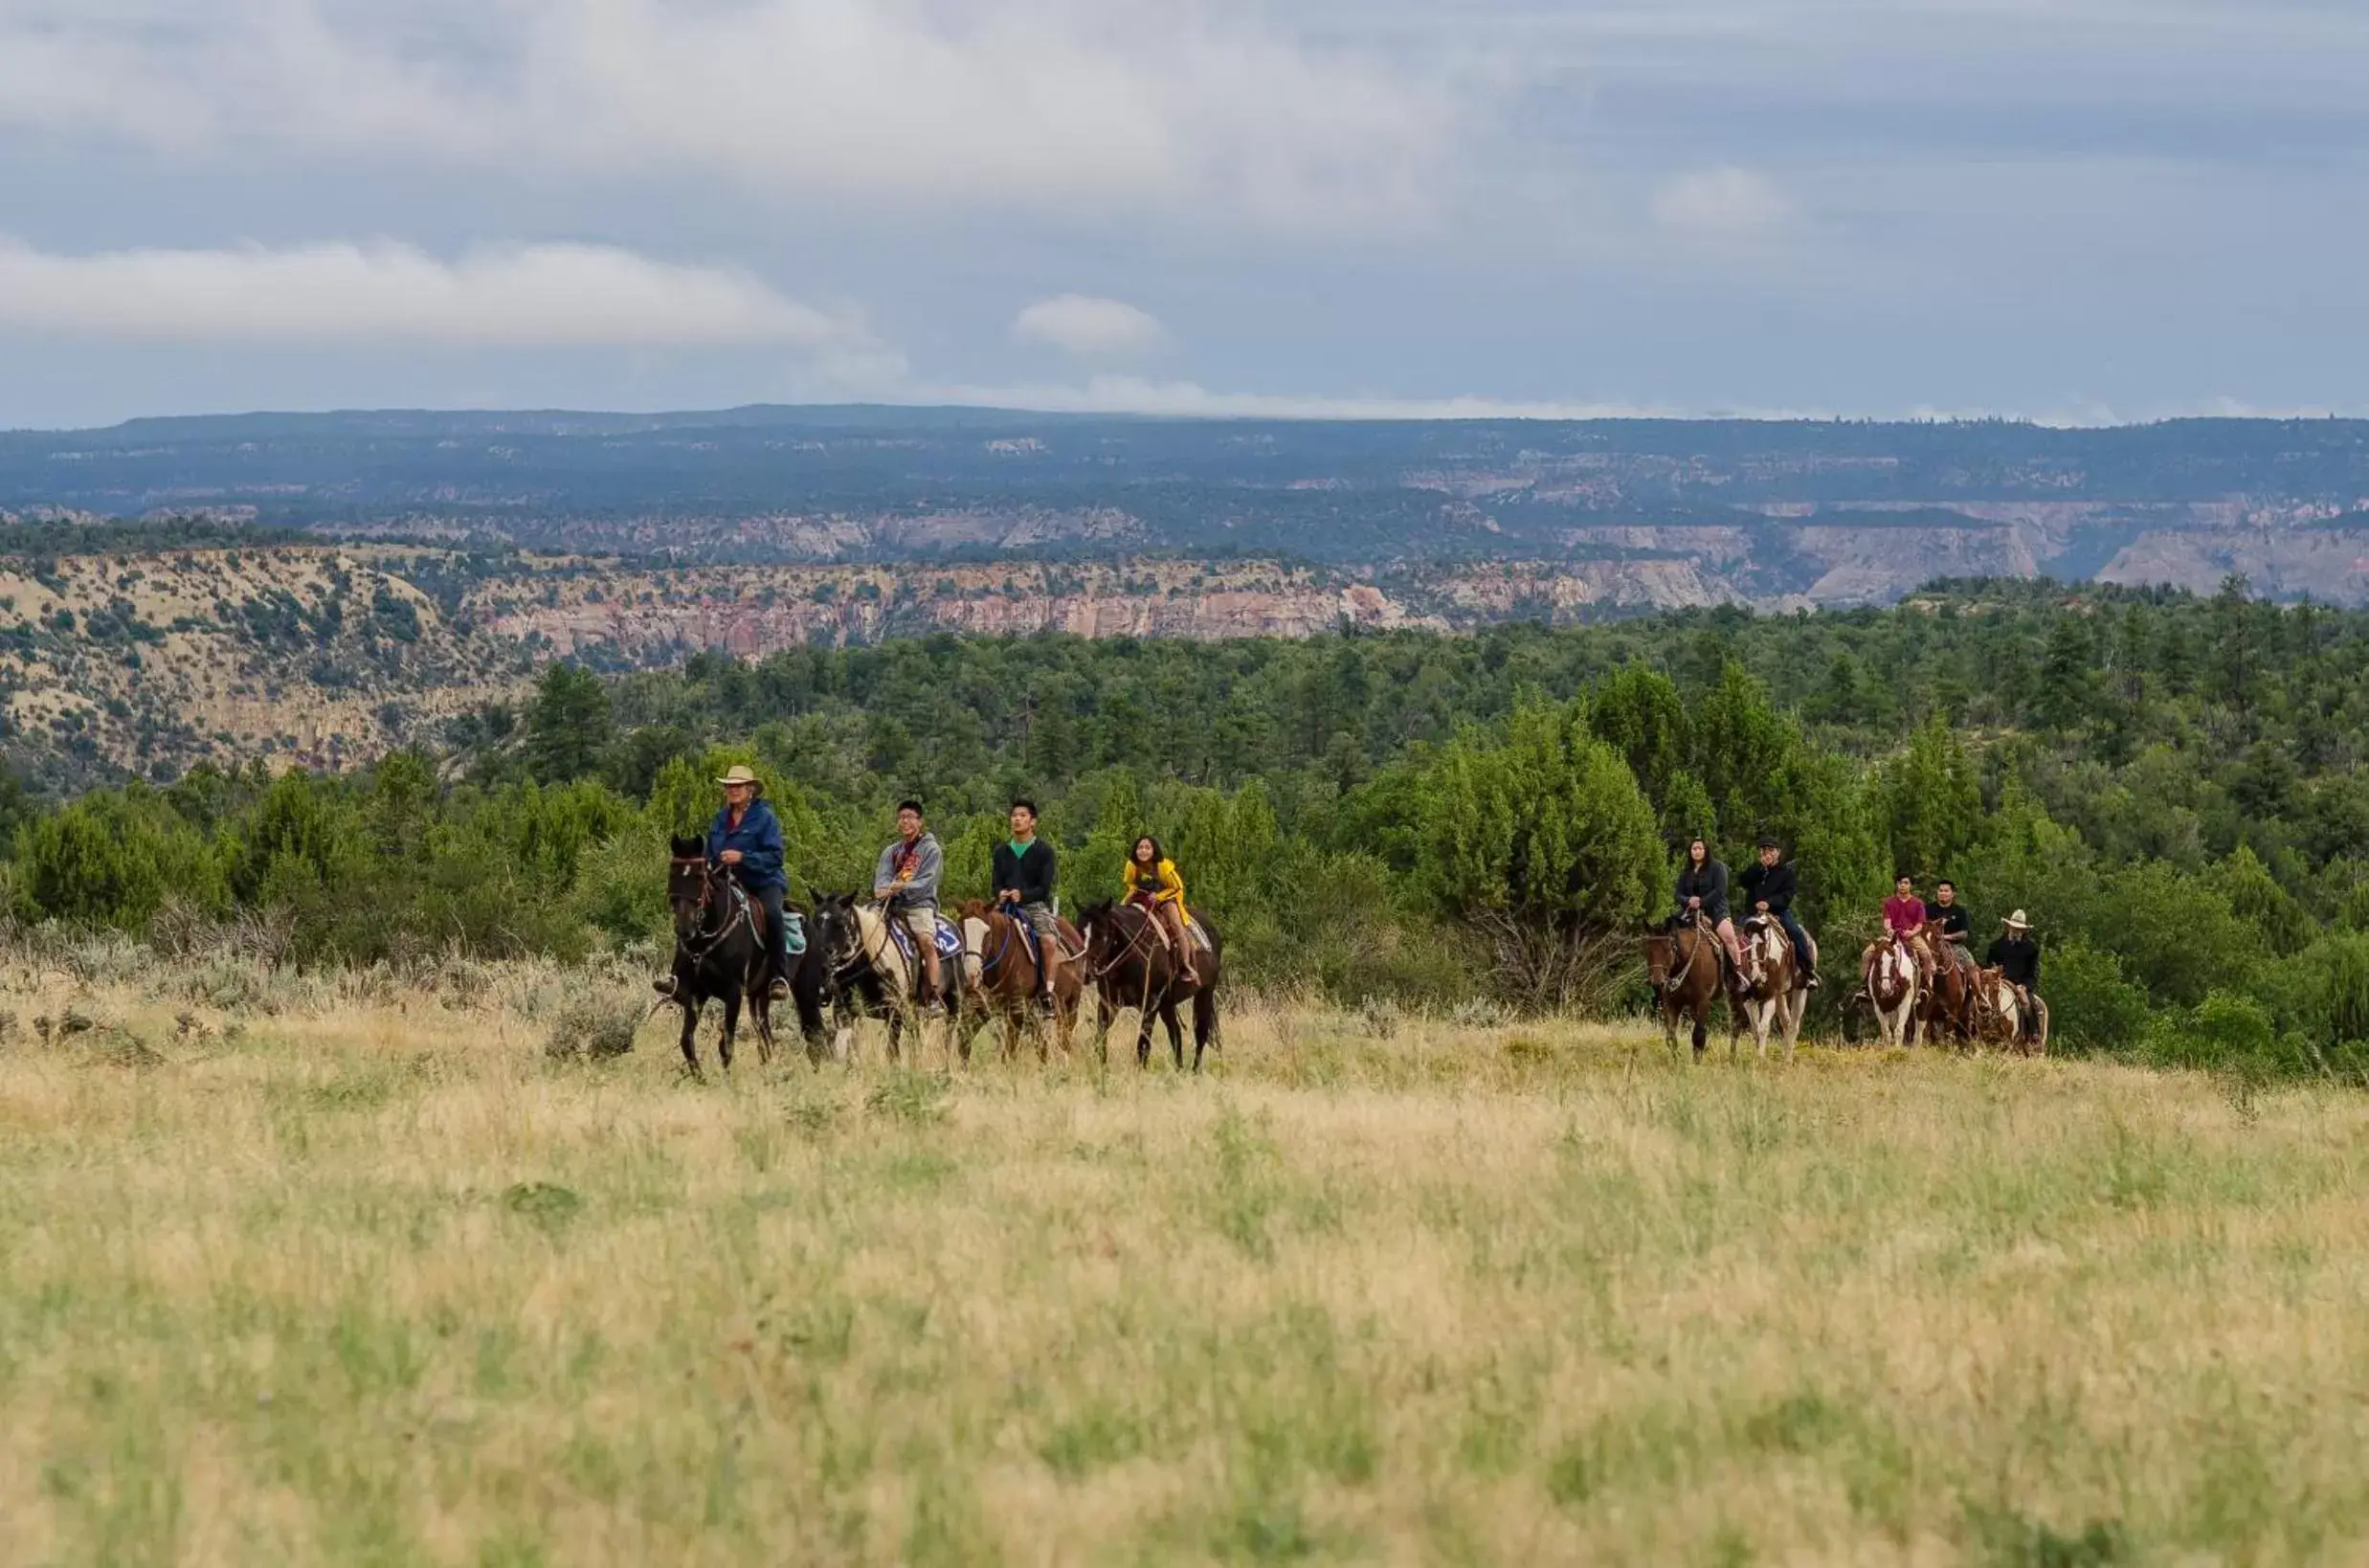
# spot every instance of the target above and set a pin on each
(1085, 327)
(1186, 400)
(1726, 203)
(537, 295)
(1076, 105)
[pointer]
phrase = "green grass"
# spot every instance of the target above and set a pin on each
(387, 1284)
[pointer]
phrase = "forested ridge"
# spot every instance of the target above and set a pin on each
(2170, 784)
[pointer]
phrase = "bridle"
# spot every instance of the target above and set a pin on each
(1133, 946)
(988, 963)
(701, 943)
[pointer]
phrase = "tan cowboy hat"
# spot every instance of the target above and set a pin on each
(2016, 923)
(739, 773)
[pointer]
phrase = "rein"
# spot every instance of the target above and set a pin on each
(701, 943)
(1133, 946)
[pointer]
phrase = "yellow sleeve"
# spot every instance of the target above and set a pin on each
(1172, 886)
(1128, 875)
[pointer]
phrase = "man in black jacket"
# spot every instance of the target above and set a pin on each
(2017, 958)
(1770, 886)
(1023, 875)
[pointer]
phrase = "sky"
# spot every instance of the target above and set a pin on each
(2075, 210)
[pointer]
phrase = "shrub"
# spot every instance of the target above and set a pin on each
(2090, 1005)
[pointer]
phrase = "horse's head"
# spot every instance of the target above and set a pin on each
(1098, 929)
(836, 932)
(688, 886)
(1661, 957)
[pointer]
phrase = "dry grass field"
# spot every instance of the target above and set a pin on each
(354, 1271)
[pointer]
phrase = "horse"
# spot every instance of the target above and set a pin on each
(1776, 994)
(869, 977)
(1891, 976)
(999, 970)
(1948, 994)
(1691, 953)
(719, 952)
(1131, 967)
(1998, 1011)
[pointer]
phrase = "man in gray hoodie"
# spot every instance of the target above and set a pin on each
(907, 886)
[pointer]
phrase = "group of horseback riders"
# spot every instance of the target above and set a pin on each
(746, 841)
(1933, 934)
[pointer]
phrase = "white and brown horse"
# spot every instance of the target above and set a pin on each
(2005, 1015)
(1894, 982)
(1776, 992)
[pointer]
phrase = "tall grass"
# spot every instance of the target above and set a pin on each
(352, 1269)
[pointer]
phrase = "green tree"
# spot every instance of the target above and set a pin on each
(569, 728)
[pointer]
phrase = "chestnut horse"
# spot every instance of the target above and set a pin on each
(1892, 978)
(1691, 953)
(1946, 1006)
(1776, 994)
(999, 971)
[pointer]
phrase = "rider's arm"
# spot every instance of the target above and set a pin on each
(1171, 883)
(762, 855)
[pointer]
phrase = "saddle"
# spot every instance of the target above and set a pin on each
(949, 943)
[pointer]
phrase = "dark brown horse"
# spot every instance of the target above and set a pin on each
(1946, 1005)
(719, 952)
(1131, 967)
(1689, 953)
(999, 971)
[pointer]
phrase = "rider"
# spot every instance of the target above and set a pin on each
(1904, 917)
(1703, 890)
(2017, 958)
(745, 838)
(906, 887)
(1947, 914)
(1768, 886)
(1152, 885)
(1023, 877)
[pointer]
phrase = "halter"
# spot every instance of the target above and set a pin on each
(701, 943)
(1011, 935)
(1134, 943)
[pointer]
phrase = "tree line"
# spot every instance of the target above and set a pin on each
(2172, 785)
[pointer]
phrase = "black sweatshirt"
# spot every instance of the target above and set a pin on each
(1709, 885)
(1032, 873)
(1769, 884)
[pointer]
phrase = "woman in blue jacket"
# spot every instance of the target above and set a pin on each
(745, 838)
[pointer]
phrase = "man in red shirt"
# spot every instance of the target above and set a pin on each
(1904, 913)
(1904, 917)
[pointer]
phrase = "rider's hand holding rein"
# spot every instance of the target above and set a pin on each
(730, 857)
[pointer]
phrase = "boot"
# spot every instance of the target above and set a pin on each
(935, 1002)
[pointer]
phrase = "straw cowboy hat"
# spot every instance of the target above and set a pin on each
(2016, 923)
(740, 773)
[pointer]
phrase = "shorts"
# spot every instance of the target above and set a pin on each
(1040, 920)
(920, 919)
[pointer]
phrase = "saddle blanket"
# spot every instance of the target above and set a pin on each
(949, 940)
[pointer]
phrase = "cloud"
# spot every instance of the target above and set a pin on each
(1726, 203)
(1085, 327)
(1186, 400)
(1076, 106)
(530, 296)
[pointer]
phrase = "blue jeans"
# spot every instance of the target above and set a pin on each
(1800, 939)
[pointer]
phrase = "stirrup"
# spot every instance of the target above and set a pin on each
(778, 991)
(666, 985)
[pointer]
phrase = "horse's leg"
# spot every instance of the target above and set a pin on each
(895, 1033)
(1175, 1033)
(731, 1021)
(691, 1004)
(1701, 1034)
(761, 1019)
(1104, 1014)
(1204, 1024)
(1143, 1035)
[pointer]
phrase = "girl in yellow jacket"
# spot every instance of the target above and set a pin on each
(1153, 883)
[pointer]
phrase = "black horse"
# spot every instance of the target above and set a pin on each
(1131, 966)
(867, 973)
(720, 956)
